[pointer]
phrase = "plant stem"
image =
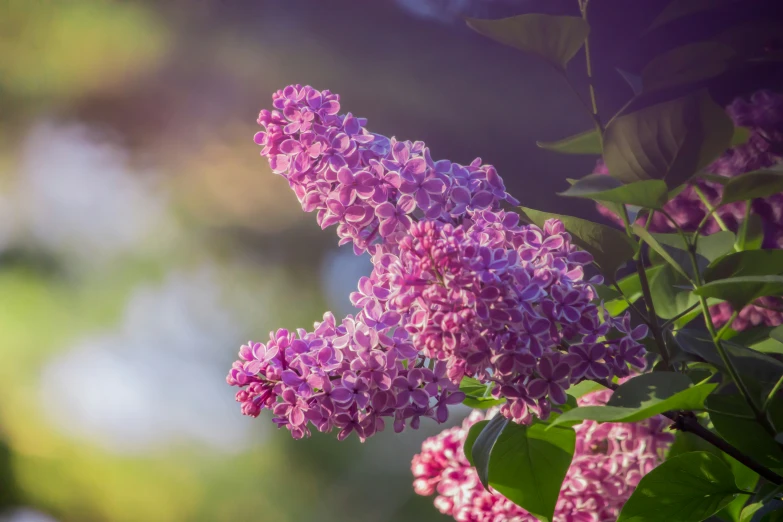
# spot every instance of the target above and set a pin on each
(654, 326)
(709, 206)
(726, 326)
(679, 316)
(772, 393)
(744, 228)
(687, 421)
(631, 305)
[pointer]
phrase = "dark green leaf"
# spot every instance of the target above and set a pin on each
(746, 263)
(643, 397)
(747, 435)
(750, 336)
(670, 141)
(751, 236)
(668, 299)
(756, 184)
(610, 247)
(679, 8)
(632, 289)
(470, 440)
(739, 291)
(598, 187)
(659, 249)
(481, 451)
(760, 372)
(771, 511)
(691, 63)
(777, 334)
(528, 465)
(556, 39)
(588, 142)
(688, 487)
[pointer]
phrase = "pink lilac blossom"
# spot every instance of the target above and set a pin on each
(609, 460)
(459, 288)
(763, 117)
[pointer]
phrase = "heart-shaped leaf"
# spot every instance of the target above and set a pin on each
(470, 440)
(690, 63)
(556, 39)
(687, 488)
(740, 291)
(756, 184)
(609, 247)
(588, 142)
(670, 141)
(643, 397)
(669, 300)
(528, 465)
(651, 193)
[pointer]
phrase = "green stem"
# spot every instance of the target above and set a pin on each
(630, 304)
(726, 326)
(745, 221)
(588, 63)
(709, 206)
(772, 394)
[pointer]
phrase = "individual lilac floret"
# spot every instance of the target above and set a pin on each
(609, 461)
(366, 184)
(763, 117)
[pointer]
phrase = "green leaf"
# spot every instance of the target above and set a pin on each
(477, 394)
(746, 479)
(470, 440)
(760, 372)
(485, 441)
(670, 141)
(746, 263)
(668, 299)
(528, 465)
(739, 291)
(556, 39)
(756, 184)
(588, 142)
(747, 435)
(751, 236)
(584, 387)
(777, 334)
(768, 346)
(643, 397)
(688, 487)
(631, 287)
(740, 137)
(680, 8)
(690, 63)
(598, 187)
(609, 247)
(659, 249)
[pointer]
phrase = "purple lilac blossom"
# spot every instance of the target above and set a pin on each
(763, 117)
(609, 460)
(459, 288)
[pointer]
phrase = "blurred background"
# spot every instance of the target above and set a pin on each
(142, 239)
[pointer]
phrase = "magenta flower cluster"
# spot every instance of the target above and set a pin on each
(459, 288)
(763, 117)
(608, 463)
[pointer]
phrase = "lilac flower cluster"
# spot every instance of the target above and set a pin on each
(763, 117)
(609, 461)
(459, 288)
(368, 185)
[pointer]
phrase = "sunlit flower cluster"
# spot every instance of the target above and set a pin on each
(459, 288)
(762, 116)
(608, 463)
